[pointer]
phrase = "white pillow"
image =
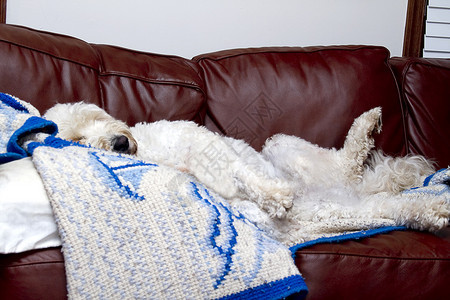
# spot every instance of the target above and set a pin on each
(26, 218)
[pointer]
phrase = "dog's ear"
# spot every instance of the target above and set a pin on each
(78, 139)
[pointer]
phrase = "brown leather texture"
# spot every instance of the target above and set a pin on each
(425, 85)
(313, 92)
(131, 85)
(31, 275)
(397, 265)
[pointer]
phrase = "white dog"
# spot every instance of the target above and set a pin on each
(290, 181)
(228, 166)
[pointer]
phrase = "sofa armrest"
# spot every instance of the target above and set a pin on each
(425, 92)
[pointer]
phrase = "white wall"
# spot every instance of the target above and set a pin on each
(192, 27)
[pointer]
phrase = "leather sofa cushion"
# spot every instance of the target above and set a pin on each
(398, 265)
(314, 93)
(131, 85)
(33, 274)
(425, 87)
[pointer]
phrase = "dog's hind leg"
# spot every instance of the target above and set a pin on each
(260, 181)
(359, 142)
(421, 212)
(273, 195)
(308, 163)
(234, 169)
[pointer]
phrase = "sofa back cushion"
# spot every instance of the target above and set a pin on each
(45, 68)
(425, 87)
(314, 93)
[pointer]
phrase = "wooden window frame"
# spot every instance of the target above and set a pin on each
(414, 28)
(2, 11)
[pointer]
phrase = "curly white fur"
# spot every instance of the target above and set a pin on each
(228, 166)
(288, 183)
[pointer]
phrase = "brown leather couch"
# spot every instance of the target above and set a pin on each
(313, 92)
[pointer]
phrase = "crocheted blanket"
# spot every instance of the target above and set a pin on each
(17, 120)
(137, 230)
(437, 184)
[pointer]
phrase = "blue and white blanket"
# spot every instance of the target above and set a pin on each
(18, 119)
(137, 230)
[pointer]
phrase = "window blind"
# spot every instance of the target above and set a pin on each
(437, 29)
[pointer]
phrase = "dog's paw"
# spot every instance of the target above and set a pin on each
(433, 216)
(274, 209)
(359, 142)
(369, 122)
(273, 195)
(374, 116)
(278, 198)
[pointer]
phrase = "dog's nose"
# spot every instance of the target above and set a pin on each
(121, 144)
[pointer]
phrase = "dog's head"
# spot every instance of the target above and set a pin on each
(90, 125)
